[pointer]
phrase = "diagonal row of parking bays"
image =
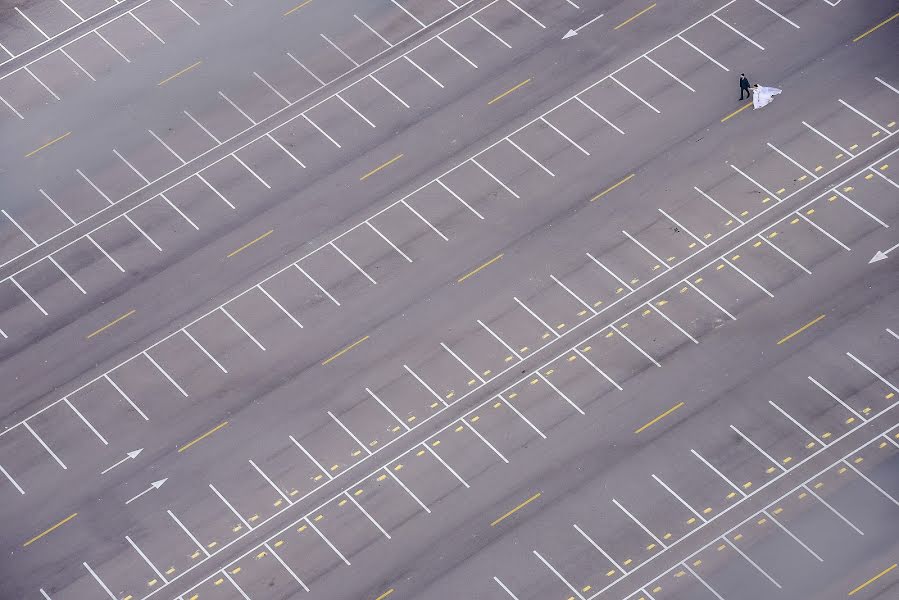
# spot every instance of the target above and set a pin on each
(561, 388)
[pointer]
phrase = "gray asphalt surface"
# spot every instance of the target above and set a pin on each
(489, 314)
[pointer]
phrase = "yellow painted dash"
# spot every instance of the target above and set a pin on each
(485, 265)
(648, 8)
(876, 27)
(801, 329)
(517, 508)
(609, 189)
(114, 321)
(180, 73)
(873, 579)
(384, 166)
(40, 535)
(385, 594)
(736, 112)
(50, 143)
(509, 91)
(297, 7)
(345, 350)
(660, 417)
(204, 436)
(247, 245)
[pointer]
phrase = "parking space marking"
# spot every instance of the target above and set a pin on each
(509, 91)
(234, 583)
(48, 144)
(660, 417)
(385, 594)
(833, 143)
(599, 548)
(836, 513)
(641, 525)
(856, 205)
(647, 9)
(110, 324)
(875, 28)
(597, 369)
(85, 421)
(146, 559)
(565, 137)
(44, 444)
(874, 373)
(270, 482)
(272, 88)
(179, 73)
(100, 581)
(875, 578)
(863, 115)
(883, 492)
(10, 107)
(204, 436)
(717, 472)
(383, 166)
(32, 23)
(349, 433)
(19, 227)
(310, 457)
(248, 244)
(516, 509)
(408, 491)
(284, 564)
(499, 339)
(609, 189)
(345, 350)
(679, 499)
(293, 10)
(539, 320)
(11, 480)
(635, 95)
(48, 530)
(494, 177)
(230, 506)
(483, 266)
(636, 347)
(242, 328)
(796, 423)
(125, 396)
(505, 588)
(800, 330)
(527, 14)
(317, 284)
(560, 393)
(459, 54)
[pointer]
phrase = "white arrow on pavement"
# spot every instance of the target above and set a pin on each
(882, 254)
(153, 486)
(573, 32)
(128, 456)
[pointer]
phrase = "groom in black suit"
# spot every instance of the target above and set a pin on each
(744, 87)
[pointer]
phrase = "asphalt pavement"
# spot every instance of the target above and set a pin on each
(429, 298)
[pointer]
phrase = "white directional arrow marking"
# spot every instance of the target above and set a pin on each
(573, 32)
(882, 254)
(153, 486)
(128, 456)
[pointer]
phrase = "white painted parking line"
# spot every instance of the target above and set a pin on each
(200, 125)
(884, 177)
(675, 325)
(370, 28)
(598, 370)
(560, 393)
(424, 384)
(278, 304)
(527, 14)
(217, 193)
(565, 137)
(129, 165)
(881, 81)
(892, 333)
(692, 45)
(822, 230)
(186, 14)
(349, 433)
(523, 418)
(796, 423)
(483, 439)
(459, 54)
(833, 510)
(488, 30)
(864, 116)
(751, 562)
(533, 314)
(85, 421)
(53, 202)
(763, 5)
(837, 399)
(19, 227)
(80, 18)
(11, 480)
(286, 567)
(494, 177)
(833, 143)
(125, 58)
(873, 372)
(272, 88)
(105, 253)
(29, 296)
(444, 463)
(251, 171)
(635, 95)
(30, 22)
(756, 183)
(125, 396)
(637, 521)
(286, 151)
(402, 8)
(204, 350)
(167, 376)
(305, 68)
(93, 185)
(150, 31)
(179, 211)
(502, 585)
(416, 65)
(861, 208)
(531, 158)
(702, 581)
(609, 271)
(388, 409)
(327, 541)
(241, 327)
(599, 548)
(231, 507)
(557, 574)
(717, 472)
(10, 107)
(336, 47)
(44, 444)
(457, 197)
(737, 31)
(647, 250)
(234, 583)
(784, 154)
(146, 560)
(353, 108)
(500, 340)
(5, 49)
(368, 516)
(77, 64)
(100, 581)
(462, 362)
(636, 347)
(784, 254)
(317, 284)
(667, 72)
(352, 262)
(792, 535)
(716, 203)
(142, 232)
(573, 295)
(310, 457)
(237, 108)
(320, 130)
(679, 499)
(408, 491)
(756, 283)
(682, 228)
(749, 441)
(388, 90)
(270, 482)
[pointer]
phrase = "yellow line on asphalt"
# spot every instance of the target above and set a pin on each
(800, 330)
(179, 73)
(247, 245)
(736, 112)
(876, 27)
(609, 189)
(298, 7)
(486, 264)
(660, 417)
(519, 507)
(650, 7)
(347, 349)
(385, 165)
(509, 91)
(385, 594)
(108, 325)
(50, 143)
(60, 524)
(205, 435)
(875, 578)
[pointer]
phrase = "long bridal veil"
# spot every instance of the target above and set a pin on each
(762, 96)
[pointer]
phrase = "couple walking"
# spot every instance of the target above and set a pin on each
(761, 96)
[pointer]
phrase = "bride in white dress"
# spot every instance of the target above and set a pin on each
(762, 96)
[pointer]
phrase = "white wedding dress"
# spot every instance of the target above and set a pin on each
(762, 96)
